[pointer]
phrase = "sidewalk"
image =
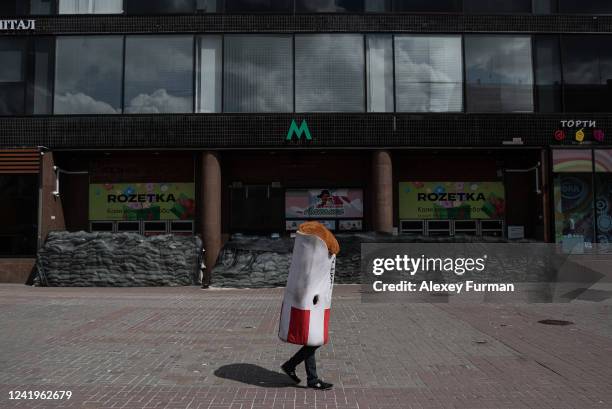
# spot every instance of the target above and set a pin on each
(190, 348)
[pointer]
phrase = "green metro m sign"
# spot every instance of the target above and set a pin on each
(303, 129)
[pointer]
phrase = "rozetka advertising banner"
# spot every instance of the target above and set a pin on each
(142, 201)
(451, 200)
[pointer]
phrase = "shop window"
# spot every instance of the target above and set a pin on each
(270, 6)
(329, 6)
(160, 6)
(256, 209)
(18, 215)
(587, 73)
(499, 73)
(25, 76)
(377, 6)
(603, 200)
(90, 6)
(427, 6)
(379, 60)
(329, 73)
(497, 6)
(548, 76)
(88, 75)
(258, 74)
(158, 74)
(585, 7)
(428, 73)
(210, 53)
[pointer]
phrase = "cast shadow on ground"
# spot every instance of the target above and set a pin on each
(254, 375)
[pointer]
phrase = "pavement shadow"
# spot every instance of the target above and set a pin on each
(254, 375)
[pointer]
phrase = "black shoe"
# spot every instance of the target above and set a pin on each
(319, 384)
(290, 373)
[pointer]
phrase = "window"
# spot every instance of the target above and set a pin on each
(209, 6)
(18, 215)
(25, 75)
(585, 7)
(427, 6)
(329, 6)
(548, 73)
(88, 75)
(428, 73)
(329, 73)
(160, 6)
(258, 73)
(377, 6)
(587, 73)
(158, 74)
(499, 73)
(243, 6)
(13, 8)
(380, 73)
(209, 76)
(497, 6)
(90, 6)
(42, 7)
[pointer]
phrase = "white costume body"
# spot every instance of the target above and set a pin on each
(306, 306)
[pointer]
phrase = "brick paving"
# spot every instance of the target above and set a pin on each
(177, 348)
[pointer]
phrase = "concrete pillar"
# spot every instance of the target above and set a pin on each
(51, 209)
(210, 205)
(382, 182)
(546, 187)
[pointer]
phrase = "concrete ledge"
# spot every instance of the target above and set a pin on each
(16, 270)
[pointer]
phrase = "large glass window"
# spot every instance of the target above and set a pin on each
(428, 73)
(258, 73)
(210, 6)
(548, 73)
(329, 73)
(13, 7)
(88, 75)
(380, 73)
(160, 6)
(587, 73)
(40, 86)
(90, 6)
(427, 6)
(18, 215)
(158, 74)
(329, 6)
(12, 76)
(581, 6)
(499, 73)
(603, 200)
(377, 6)
(497, 6)
(210, 63)
(242, 6)
(42, 7)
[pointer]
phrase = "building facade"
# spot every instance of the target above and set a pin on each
(215, 117)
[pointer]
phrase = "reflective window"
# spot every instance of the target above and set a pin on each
(13, 7)
(427, 5)
(210, 54)
(548, 73)
(18, 215)
(497, 6)
(587, 73)
(210, 6)
(13, 54)
(545, 6)
(258, 73)
(90, 6)
(241, 6)
(160, 6)
(428, 73)
(581, 6)
(379, 60)
(329, 73)
(377, 6)
(158, 74)
(329, 6)
(88, 75)
(42, 7)
(40, 95)
(499, 73)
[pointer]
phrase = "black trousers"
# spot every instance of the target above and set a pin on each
(306, 354)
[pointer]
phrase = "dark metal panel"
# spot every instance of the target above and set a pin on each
(226, 131)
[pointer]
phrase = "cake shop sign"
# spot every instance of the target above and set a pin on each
(18, 25)
(577, 131)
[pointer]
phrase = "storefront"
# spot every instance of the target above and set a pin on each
(582, 195)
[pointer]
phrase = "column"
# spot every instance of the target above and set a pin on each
(210, 205)
(51, 209)
(382, 181)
